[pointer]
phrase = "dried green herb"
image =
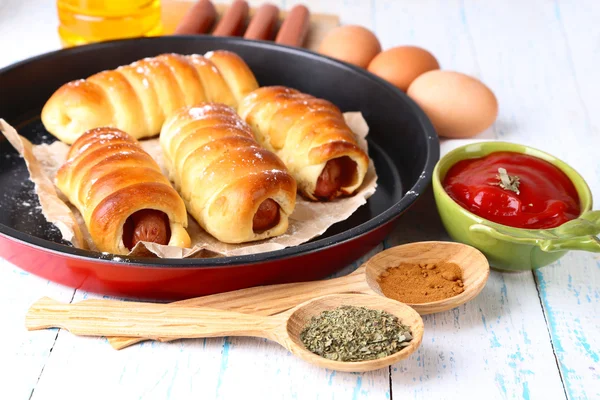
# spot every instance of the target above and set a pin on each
(507, 182)
(350, 333)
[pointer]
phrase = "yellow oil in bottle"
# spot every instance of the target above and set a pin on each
(88, 21)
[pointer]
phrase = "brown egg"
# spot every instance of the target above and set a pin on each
(402, 65)
(351, 43)
(458, 105)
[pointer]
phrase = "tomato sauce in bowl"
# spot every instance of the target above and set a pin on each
(513, 189)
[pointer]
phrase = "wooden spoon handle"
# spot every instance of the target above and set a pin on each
(267, 300)
(147, 320)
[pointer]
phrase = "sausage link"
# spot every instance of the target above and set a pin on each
(266, 217)
(233, 21)
(199, 18)
(263, 23)
(337, 173)
(294, 27)
(146, 226)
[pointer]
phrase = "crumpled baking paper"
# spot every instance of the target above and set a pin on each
(309, 219)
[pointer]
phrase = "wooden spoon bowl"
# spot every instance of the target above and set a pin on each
(302, 315)
(474, 265)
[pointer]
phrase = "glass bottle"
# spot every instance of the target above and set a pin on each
(88, 21)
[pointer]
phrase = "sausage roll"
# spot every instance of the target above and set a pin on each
(137, 98)
(310, 135)
(121, 193)
(236, 190)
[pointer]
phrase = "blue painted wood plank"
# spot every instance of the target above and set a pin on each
(547, 86)
(570, 292)
(569, 289)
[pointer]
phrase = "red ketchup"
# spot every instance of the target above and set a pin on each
(534, 195)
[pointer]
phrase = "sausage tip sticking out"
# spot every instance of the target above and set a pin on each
(337, 173)
(295, 27)
(233, 21)
(146, 226)
(199, 18)
(263, 23)
(266, 217)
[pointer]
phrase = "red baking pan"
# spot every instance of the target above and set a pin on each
(402, 143)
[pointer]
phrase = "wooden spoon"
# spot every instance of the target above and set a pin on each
(150, 320)
(270, 300)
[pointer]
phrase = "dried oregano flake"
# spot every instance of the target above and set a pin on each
(507, 182)
(350, 333)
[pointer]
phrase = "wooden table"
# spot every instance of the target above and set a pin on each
(527, 335)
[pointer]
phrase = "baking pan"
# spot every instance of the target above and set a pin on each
(402, 143)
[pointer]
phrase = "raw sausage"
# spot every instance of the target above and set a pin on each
(336, 174)
(233, 21)
(146, 226)
(263, 23)
(295, 27)
(199, 18)
(266, 217)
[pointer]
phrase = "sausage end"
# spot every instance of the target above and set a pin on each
(338, 173)
(146, 226)
(267, 216)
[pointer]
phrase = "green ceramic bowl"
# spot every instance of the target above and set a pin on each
(508, 248)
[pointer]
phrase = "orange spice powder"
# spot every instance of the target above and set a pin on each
(421, 283)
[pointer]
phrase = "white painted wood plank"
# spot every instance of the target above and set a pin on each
(516, 359)
(551, 89)
(570, 289)
(27, 28)
(23, 354)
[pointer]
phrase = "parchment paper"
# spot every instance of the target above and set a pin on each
(309, 219)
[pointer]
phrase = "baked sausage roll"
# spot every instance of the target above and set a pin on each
(310, 135)
(236, 190)
(121, 193)
(137, 98)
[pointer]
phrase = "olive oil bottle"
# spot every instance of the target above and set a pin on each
(88, 21)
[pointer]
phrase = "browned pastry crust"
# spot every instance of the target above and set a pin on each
(137, 98)
(224, 175)
(306, 133)
(108, 177)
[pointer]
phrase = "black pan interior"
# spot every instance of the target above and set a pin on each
(402, 142)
